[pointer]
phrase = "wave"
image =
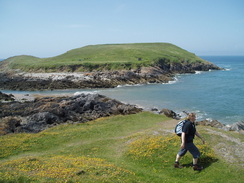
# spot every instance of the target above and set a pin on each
(172, 82)
(128, 85)
(201, 72)
(198, 72)
(85, 92)
(175, 80)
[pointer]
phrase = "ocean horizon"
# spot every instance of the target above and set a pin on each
(212, 95)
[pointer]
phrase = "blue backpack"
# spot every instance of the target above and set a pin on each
(179, 126)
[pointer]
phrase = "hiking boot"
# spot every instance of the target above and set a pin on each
(177, 165)
(197, 167)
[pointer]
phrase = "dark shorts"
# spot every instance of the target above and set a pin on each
(191, 148)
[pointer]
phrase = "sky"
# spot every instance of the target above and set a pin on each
(47, 28)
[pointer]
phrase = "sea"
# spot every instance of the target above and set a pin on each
(212, 95)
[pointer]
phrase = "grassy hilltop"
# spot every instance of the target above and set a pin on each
(105, 57)
(133, 148)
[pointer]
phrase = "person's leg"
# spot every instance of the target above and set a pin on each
(181, 153)
(196, 154)
(195, 161)
(197, 166)
(178, 157)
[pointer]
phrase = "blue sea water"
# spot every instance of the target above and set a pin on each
(211, 95)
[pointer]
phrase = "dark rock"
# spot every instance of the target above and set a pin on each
(154, 109)
(9, 125)
(33, 127)
(6, 97)
(43, 113)
(212, 123)
(45, 117)
(169, 113)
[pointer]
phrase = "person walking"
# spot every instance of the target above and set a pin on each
(188, 133)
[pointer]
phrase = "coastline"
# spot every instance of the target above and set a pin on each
(121, 90)
(238, 126)
(161, 72)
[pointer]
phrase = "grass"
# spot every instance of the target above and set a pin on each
(132, 148)
(106, 57)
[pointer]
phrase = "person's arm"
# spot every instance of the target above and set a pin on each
(199, 136)
(183, 140)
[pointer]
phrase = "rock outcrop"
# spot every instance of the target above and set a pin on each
(238, 126)
(43, 113)
(6, 97)
(169, 113)
(162, 72)
(49, 81)
(212, 123)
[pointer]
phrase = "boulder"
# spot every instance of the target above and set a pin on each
(169, 113)
(212, 123)
(9, 125)
(238, 126)
(227, 128)
(6, 97)
(154, 109)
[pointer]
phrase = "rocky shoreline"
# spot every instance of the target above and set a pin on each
(161, 73)
(34, 114)
(237, 127)
(40, 113)
(46, 112)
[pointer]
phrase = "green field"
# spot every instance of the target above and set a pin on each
(105, 57)
(133, 148)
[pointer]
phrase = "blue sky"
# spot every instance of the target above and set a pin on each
(46, 28)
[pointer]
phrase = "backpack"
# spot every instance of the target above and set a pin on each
(179, 126)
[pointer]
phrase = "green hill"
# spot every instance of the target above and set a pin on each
(133, 148)
(105, 57)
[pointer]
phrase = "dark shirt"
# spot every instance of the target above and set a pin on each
(190, 130)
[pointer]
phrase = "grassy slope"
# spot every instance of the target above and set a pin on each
(109, 57)
(133, 148)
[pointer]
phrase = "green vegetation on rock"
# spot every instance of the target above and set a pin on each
(106, 57)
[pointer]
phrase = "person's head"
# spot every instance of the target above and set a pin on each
(191, 117)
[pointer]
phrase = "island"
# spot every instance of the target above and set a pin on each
(101, 66)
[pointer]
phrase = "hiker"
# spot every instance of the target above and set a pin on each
(188, 133)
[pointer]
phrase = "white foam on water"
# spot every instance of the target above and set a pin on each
(173, 82)
(85, 92)
(209, 119)
(128, 85)
(198, 72)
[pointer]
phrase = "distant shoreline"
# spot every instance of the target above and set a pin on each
(96, 79)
